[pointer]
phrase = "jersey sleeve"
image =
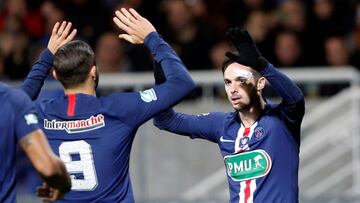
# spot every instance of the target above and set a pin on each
(26, 119)
(292, 106)
(205, 126)
(146, 104)
(39, 71)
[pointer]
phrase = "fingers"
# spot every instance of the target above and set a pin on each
(61, 29)
(135, 14)
(66, 31)
(71, 36)
(121, 25)
(123, 18)
(135, 26)
(128, 15)
(55, 28)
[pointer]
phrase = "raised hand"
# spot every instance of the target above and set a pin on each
(60, 35)
(247, 52)
(135, 26)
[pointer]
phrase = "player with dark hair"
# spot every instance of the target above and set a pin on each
(93, 135)
(19, 124)
(260, 140)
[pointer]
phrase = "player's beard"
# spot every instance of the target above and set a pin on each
(254, 101)
(96, 80)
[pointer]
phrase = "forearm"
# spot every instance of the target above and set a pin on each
(176, 74)
(39, 71)
(173, 122)
(283, 85)
(49, 166)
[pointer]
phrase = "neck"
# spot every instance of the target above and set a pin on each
(86, 89)
(249, 116)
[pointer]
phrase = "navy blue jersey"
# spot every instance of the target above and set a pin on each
(93, 135)
(261, 161)
(18, 119)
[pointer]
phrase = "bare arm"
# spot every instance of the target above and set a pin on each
(49, 166)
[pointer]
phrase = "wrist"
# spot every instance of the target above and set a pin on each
(261, 63)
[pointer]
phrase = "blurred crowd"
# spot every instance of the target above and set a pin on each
(289, 33)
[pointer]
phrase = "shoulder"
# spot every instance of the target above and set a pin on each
(16, 97)
(118, 96)
(131, 98)
(15, 101)
(216, 116)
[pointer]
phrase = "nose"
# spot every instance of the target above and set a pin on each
(233, 88)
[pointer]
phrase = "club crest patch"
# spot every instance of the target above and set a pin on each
(259, 132)
(244, 141)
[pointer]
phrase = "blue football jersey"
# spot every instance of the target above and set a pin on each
(261, 161)
(18, 119)
(93, 135)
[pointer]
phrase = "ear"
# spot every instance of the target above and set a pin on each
(92, 72)
(261, 83)
(53, 73)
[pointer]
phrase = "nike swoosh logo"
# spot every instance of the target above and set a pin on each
(224, 140)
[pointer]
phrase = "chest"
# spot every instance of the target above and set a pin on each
(264, 134)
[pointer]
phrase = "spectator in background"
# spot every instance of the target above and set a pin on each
(110, 54)
(259, 26)
(189, 37)
(355, 35)
(287, 50)
(52, 11)
(90, 26)
(217, 54)
(29, 19)
(240, 10)
(324, 15)
(13, 47)
(292, 16)
(20, 23)
(337, 54)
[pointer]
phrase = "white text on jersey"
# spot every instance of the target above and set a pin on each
(76, 126)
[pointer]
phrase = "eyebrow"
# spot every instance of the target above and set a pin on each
(236, 78)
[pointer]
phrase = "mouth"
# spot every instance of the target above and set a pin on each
(235, 99)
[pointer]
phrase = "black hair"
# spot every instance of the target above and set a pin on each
(73, 62)
(229, 61)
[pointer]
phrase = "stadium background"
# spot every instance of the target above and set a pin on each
(316, 42)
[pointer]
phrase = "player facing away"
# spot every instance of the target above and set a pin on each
(260, 140)
(93, 135)
(19, 124)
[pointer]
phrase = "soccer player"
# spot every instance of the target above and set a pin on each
(259, 140)
(93, 135)
(19, 124)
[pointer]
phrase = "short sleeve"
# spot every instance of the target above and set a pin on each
(26, 119)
